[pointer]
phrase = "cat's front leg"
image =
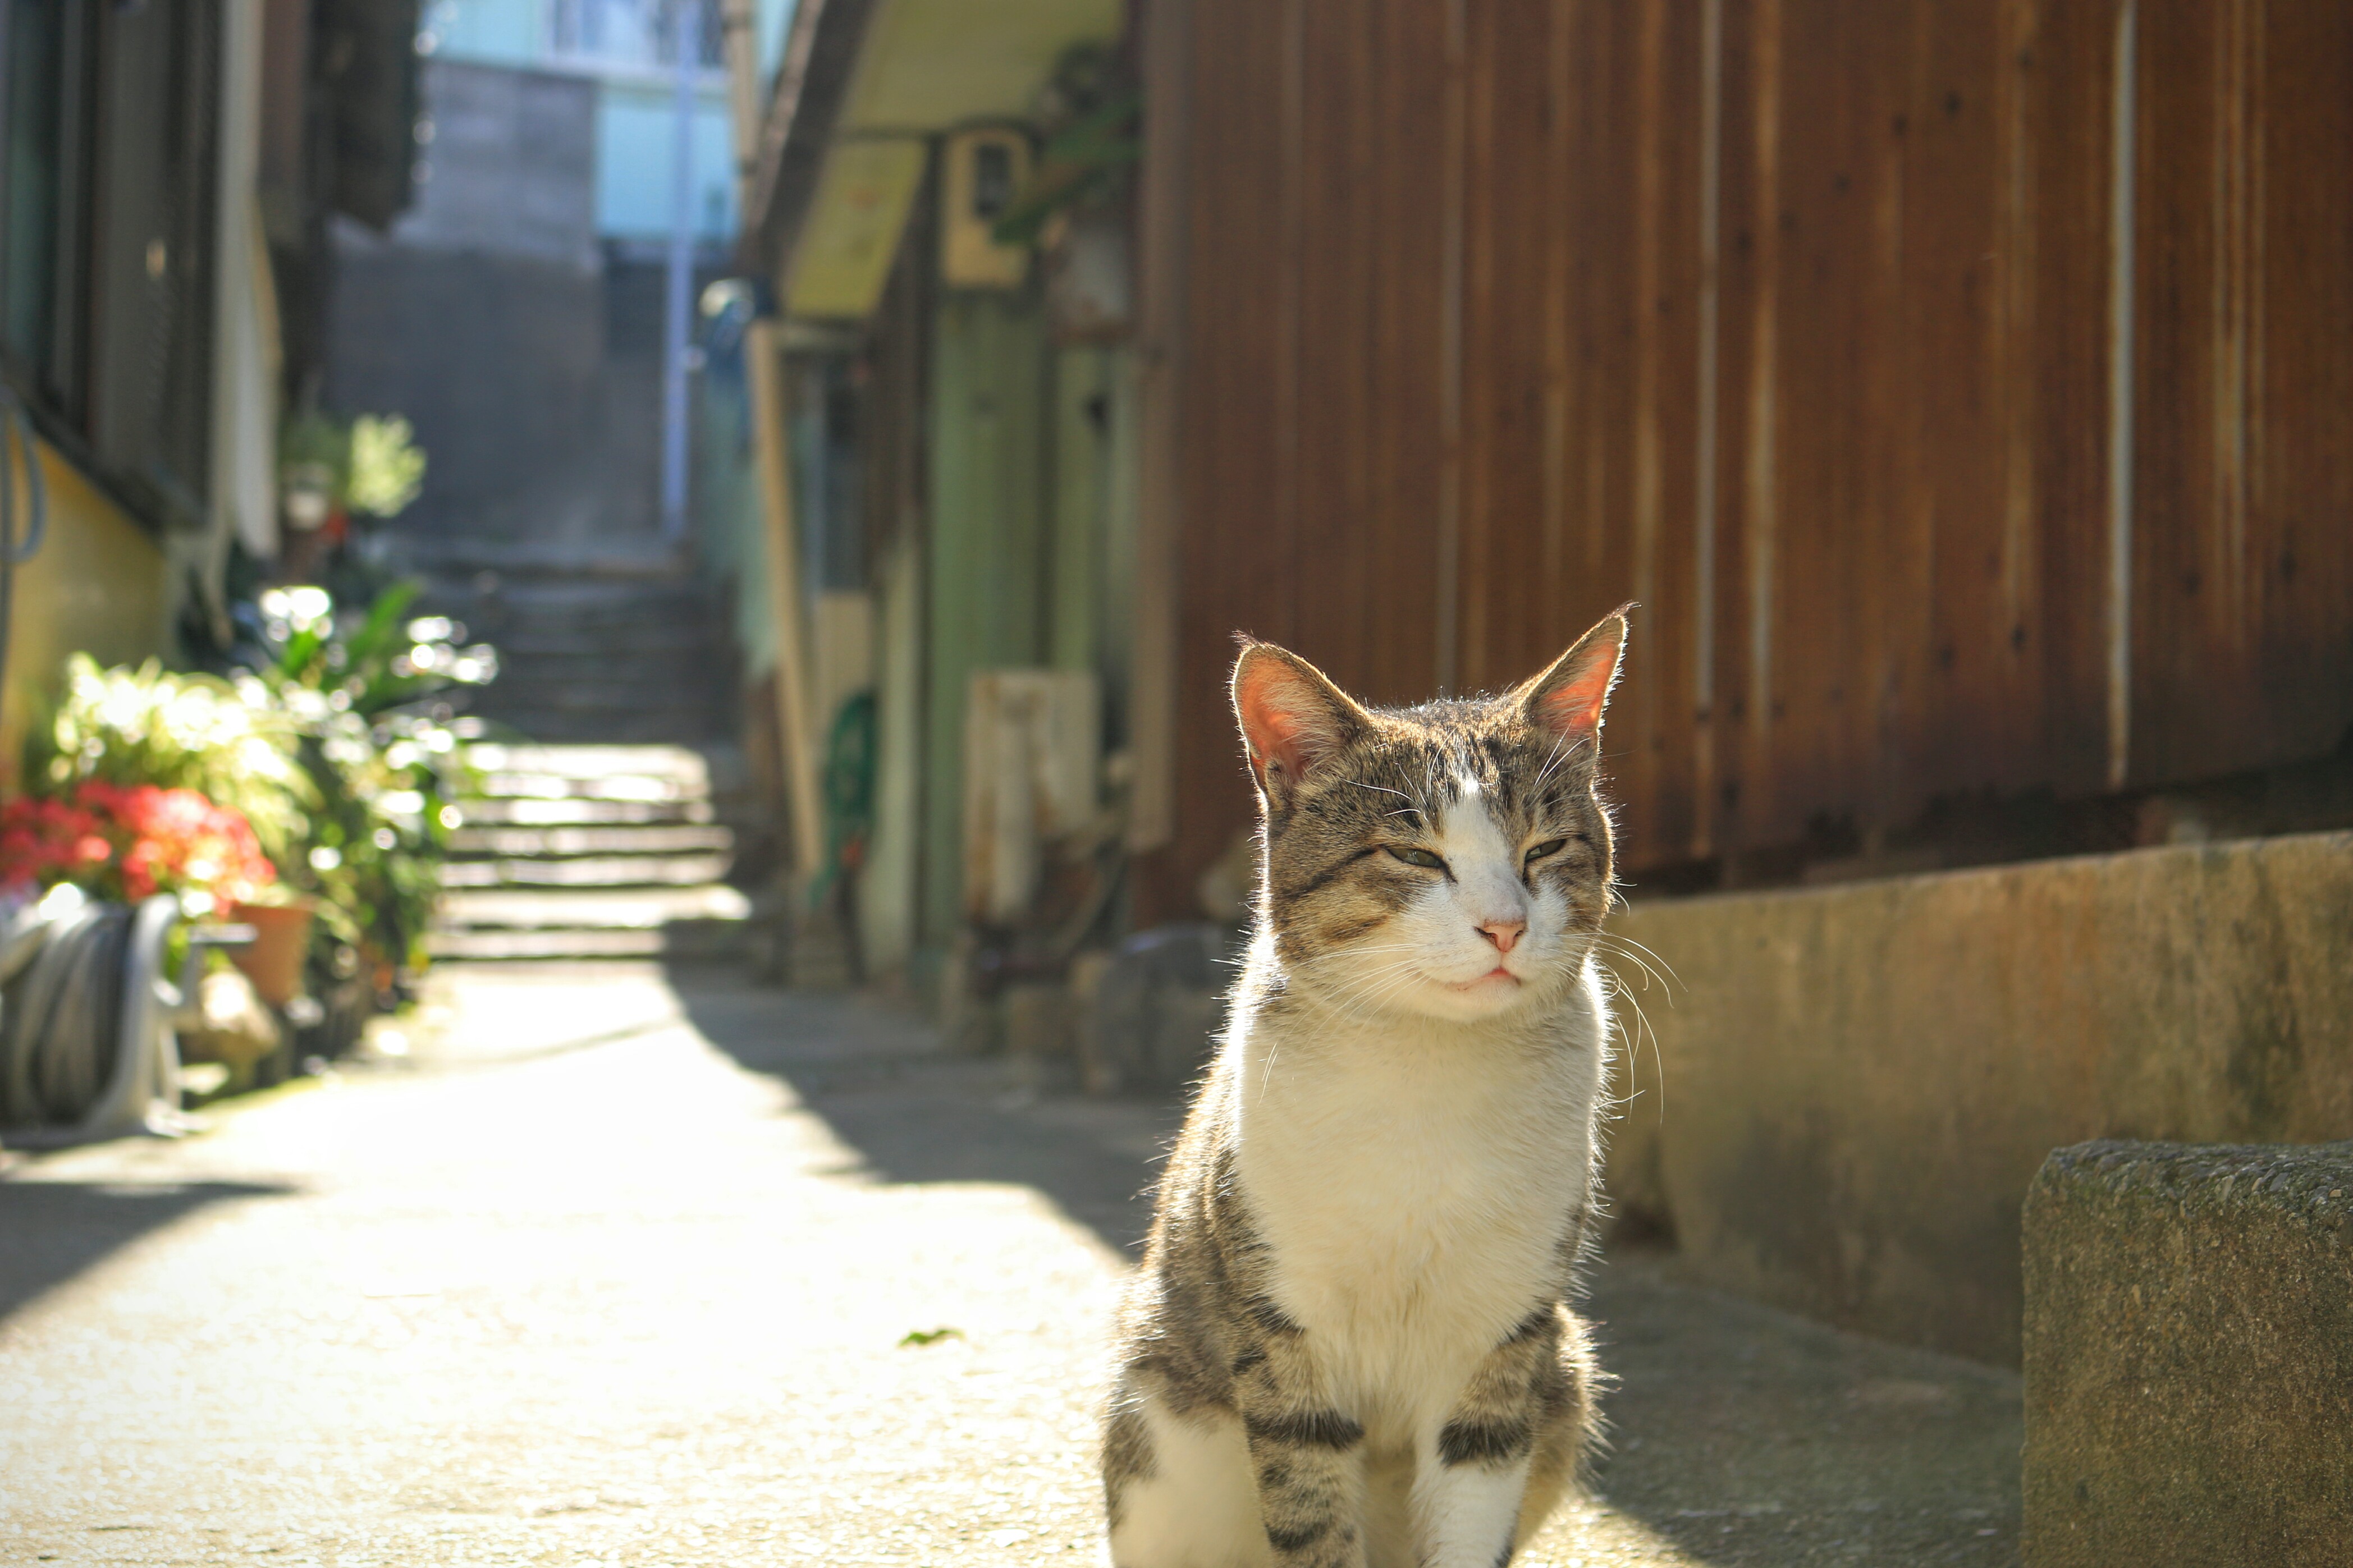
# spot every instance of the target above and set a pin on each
(1486, 1475)
(1306, 1453)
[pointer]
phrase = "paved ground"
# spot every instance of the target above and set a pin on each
(611, 1271)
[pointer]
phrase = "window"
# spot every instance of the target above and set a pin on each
(641, 34)
(106, 233)
(44, 263)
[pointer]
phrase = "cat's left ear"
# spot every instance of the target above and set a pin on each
(1566, 700)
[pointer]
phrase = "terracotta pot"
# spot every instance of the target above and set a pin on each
(282, 938)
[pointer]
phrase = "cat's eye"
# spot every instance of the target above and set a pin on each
(1422, 857)
(1550, 846)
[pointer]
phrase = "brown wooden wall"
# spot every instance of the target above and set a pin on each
(1794, 320)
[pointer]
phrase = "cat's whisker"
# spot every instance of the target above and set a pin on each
(1617, 939)
(1612, 947)
(1382, 789)
(1359, 998)
(1620, 992)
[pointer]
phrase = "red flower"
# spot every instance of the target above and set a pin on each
(132, 842)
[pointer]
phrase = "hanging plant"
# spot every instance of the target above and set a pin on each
(1093, 140)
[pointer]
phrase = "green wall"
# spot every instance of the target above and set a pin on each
(990, 547)
(1093, 566)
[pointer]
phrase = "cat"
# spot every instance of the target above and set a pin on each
(1350, 1344)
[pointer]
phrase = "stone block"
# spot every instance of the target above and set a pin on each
(1156, 1008)
(2188, 1350)
(1037, 1020)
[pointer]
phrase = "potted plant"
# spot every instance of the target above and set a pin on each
(92, 882)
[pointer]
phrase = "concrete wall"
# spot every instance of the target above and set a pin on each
(529, 366)
(512, 166)
(1859, 1081)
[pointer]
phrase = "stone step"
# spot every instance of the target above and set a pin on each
(694, 939)
(589, 871)
(676, 726)
(525, 640)
(570, 633)
(585, 762)
(528, 610)
(660, 637)
(525, 692)
(635, 909)
(583, 813)
(620, 678)
(458, 563)
(602, 786)
(549, 842)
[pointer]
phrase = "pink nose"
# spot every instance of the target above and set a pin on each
(1506, 934)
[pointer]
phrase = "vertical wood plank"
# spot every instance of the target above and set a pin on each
(1237, 562)
(2300, 534)
(1404, 452)
(1345, 590)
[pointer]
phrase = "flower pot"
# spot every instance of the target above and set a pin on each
(282, 938)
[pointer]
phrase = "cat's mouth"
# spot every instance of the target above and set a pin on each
(1499, 975)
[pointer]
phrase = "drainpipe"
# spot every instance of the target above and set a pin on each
(686, 40)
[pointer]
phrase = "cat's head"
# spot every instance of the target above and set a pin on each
(1450, 860)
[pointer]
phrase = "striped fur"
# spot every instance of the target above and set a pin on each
(1351, 1343)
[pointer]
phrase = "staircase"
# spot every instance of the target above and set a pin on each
(619, 650)
(607, 802)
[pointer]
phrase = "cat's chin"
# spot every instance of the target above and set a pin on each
(1487, 996)
(1483, 998)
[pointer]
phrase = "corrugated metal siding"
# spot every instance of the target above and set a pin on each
(1790, 319)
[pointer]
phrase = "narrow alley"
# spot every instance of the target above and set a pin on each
(601, 1263)
(670, 669)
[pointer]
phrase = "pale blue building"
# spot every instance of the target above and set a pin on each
(626, 48)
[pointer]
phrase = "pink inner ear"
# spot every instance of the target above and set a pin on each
(1573, 707)
(1286, 717)
(1276, 733)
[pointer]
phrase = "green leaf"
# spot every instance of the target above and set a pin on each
(929, 1336)
(383, 618)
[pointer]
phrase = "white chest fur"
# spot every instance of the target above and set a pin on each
(1414, 1183)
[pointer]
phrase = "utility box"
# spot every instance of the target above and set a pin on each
(1032, 762)
(981, 172)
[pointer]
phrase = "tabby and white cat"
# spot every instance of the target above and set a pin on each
(1350, 1343)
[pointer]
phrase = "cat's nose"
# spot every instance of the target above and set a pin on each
(1504, 933)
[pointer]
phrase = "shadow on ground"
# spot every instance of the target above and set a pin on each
(1741, 1435)
(917, 1114)
(51, 1231)
(1748, 1436)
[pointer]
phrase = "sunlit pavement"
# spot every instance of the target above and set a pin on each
(614, 1270)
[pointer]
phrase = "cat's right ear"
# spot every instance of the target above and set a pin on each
(1292, 718)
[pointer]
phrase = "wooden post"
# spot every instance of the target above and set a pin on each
(795, 734)
(782, 547)
(1160, 335)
